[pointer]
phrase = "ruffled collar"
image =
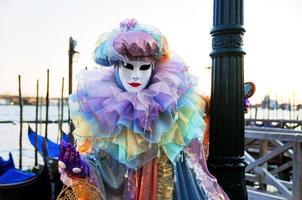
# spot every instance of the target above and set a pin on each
(114, 108)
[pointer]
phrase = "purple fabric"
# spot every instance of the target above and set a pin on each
(128, 24)
(72, 159)
(210, 182)
(246, 104)
(131, 41)
(136, 45)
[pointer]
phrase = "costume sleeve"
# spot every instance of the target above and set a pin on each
(206, 139)
(206, 108)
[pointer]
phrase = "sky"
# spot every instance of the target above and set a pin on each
(34, 37)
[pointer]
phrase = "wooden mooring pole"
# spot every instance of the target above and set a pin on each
(72, 44)
(47, 105)
(40, 113)
(71, 52)
(59, 120)
(21, 123)
(36, 123)
(62, 110)
(226, 158)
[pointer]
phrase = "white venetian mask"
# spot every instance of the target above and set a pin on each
(134, 75)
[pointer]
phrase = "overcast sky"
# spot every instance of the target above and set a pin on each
(34, 36)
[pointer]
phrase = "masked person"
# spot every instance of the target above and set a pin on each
(139, 123)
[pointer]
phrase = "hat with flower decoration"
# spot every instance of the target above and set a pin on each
(132, 41)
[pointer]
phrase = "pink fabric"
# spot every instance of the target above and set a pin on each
(135, 45)
(197, 161)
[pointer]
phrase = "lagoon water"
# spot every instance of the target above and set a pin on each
(9, 133)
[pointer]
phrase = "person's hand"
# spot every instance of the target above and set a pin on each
(70, 161)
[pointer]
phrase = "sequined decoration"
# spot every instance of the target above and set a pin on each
(164, 178)
(142, 183)
(81, 190)
(131, 188)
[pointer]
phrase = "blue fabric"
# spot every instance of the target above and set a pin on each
(15, 175)
(110, 175)
(65, 137)
(186, 186)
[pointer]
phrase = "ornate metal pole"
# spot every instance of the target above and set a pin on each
(226, 159)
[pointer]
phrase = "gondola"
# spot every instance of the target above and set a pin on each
(53, 148)
(36, 187)
(52, 152)
(6, 164)
(44, 185)
(9, 174)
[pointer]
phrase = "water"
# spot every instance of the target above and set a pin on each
(9, 133)
(11, 112)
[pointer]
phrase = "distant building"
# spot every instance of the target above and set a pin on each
(4, 102)
(54, 102)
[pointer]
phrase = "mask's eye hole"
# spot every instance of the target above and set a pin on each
(128, 66)
(144, 67)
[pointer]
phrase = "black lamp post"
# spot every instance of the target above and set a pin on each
(226, 159)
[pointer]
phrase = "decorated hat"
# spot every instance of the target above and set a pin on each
(131, 41)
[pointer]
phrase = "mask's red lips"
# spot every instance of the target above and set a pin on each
(134, 84)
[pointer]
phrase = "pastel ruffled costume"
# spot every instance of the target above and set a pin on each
(144, 145)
